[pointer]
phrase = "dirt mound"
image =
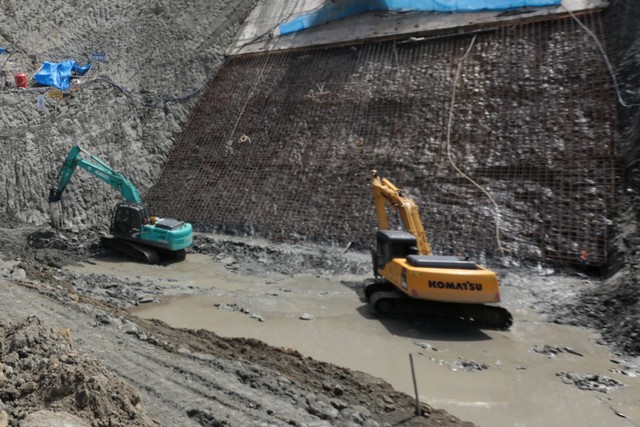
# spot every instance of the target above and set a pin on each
(40, 370)
(340, 395)
(613, 309)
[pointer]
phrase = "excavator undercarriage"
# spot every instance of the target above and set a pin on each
(141, 253)
(387, 301)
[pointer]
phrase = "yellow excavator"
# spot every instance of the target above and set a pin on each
(410, 280)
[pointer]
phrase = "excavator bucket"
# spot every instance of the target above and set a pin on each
(55, 211)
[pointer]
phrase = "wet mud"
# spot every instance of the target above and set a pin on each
(538, 373)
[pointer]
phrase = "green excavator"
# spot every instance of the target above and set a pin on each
(134, 232)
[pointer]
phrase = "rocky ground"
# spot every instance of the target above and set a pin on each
(186, 377)
(66, 343)
(68, 338)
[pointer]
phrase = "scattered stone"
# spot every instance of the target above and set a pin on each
(425, 345)
(628, 372)
(19, 274)
(11, 360)
(552, 351)
(28, 388)
(183, 350)
(223, 306)
(468, 365)
(146, 299)
(591, 382)
(338, 404)
(129, 327)
(549, 350)
(322, 409)
(236, 308)
(228, 261)
(257, 317)
(338, 390)
(572, 351)
(355, 414)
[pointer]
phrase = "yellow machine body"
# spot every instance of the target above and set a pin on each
(477, 286)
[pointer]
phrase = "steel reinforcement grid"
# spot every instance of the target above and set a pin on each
(282, 144)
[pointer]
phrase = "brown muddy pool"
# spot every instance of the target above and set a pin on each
(491, 378)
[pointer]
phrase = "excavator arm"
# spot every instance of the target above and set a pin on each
(385, 193)
(95, 167)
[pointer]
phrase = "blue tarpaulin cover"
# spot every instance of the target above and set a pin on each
(1, 50)
(57, 74)
(332, 11)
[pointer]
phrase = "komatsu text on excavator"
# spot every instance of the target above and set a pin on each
(133, 231)
(410, 280)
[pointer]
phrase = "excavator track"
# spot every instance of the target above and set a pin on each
(138, 252)
(387, 301)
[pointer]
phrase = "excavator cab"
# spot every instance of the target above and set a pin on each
(392, 244)
(128, 219)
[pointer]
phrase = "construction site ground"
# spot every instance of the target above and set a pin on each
(251, 332)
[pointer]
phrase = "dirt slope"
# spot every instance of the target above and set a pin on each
(158, 56)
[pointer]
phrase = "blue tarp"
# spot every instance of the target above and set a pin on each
(57, 74)
(332, 11)
(1, 50)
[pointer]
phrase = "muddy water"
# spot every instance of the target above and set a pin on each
(519, 387)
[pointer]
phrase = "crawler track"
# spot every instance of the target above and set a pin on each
(138, 252)
(387, 301)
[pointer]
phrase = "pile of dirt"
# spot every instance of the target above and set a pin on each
(40, 370)
(613, 308)
(342, 396)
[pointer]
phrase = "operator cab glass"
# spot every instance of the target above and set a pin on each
(128, 219)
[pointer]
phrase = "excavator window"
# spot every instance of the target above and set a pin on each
(121, 220)
(136, 220)
(394, 244)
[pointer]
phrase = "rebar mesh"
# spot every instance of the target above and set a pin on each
(282, 144)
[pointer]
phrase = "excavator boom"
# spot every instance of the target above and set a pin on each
(97, 168)
(385, 193)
